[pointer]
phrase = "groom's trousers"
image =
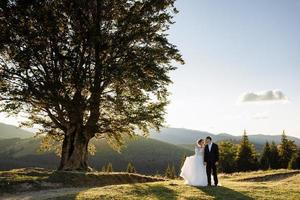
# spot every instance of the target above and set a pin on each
(211, 167)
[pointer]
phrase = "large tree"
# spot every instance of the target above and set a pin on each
(86, 68)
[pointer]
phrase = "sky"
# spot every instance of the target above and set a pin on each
(242, 67)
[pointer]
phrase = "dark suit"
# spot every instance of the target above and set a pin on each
(211, 157)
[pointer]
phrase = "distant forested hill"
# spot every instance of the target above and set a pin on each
(147, 155)
(8, 131)
(177, 136)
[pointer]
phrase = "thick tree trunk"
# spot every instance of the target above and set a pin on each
(74, 152)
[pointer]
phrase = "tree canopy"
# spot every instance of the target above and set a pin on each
(82, 69)
(228, 152)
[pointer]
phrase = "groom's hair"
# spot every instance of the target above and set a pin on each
(208, 138)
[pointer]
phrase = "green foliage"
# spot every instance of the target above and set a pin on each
(274, 156)
(103, 169)
(295, 160)
(170, 172)
(246, 155)
(286, 150)
(157, 174)
(173, 170)
(265, 158)
(227, 156)
(84, 69)
(50, 143)
(109, 168)
(130, 168)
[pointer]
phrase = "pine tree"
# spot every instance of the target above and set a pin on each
(286, 150)
(246, 156)
(103, 168)
(109, 168)
(265, 158)
(168, 172)
(295, 161)
(157, 174)
(130, 168)
(227, 155)
(274, 157)
(173, 172)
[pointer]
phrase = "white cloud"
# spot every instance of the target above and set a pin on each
(265, 96)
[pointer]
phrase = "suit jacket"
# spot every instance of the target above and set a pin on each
(212, 155)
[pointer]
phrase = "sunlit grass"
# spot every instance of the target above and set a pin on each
(287, 188)
(31, 179)
(261, 185)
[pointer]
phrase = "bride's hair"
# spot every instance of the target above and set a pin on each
(199, 141)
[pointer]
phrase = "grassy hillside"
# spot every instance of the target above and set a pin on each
(147, 155)
(232, 189)
(8, 131)
(260, 185)
(34, 179)
(176, 190)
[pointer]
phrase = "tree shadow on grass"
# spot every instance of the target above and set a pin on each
(158, 191)
(145, 191)
(224, 193)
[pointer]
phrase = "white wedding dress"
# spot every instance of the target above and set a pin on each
(193, 170)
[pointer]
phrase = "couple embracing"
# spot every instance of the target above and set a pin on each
(201, 168)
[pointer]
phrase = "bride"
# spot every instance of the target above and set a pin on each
(193, 170)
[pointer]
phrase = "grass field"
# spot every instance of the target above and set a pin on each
(273, 184)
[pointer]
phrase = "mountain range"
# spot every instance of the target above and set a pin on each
(149, 156)
(180, 136)
(18, 148)
(177, 136)
(9, 131)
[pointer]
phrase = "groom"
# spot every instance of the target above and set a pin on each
(211, 158)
